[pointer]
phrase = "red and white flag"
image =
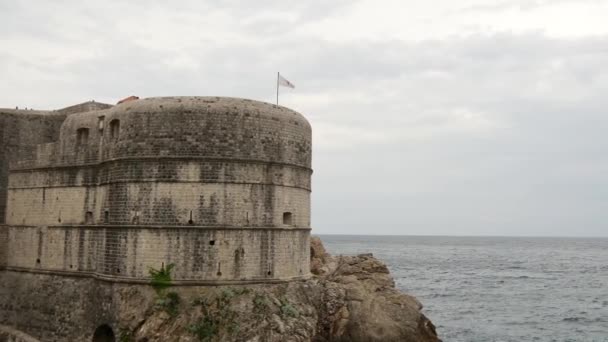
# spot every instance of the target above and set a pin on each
(285, 83)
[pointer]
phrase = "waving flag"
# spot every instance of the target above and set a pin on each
(282, 81)
(285, 83)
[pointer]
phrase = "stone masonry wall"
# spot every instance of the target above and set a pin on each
(218, 187)
(191, 160)
(200, 256)
(84, 107)
(131, 180)
(55, 308)
(171, 192)
(20, 129)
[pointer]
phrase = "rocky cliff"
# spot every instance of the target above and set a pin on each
(350, 298)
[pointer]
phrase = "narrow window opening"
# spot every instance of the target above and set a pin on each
(100, 122)
(37, 261)
(287, 218)
(114, 129)
(88, 217)
(82, 136)
(106, 216)
(190, 220)
(212, 242)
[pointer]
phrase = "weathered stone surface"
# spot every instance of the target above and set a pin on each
(20, 131)
(8, 334)
(220, 187)
(362, 304)
(354, 301)
(320, 260)
(217, 187)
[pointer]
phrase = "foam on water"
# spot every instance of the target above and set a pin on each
(498, 288)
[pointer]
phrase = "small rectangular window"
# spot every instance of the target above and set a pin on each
(287, 219)
(82, 136)
(88, 217)
(114, 129)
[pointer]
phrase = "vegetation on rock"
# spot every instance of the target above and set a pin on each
(351, 298)
(161, 279)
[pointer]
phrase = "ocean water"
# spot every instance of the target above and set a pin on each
(498, 288)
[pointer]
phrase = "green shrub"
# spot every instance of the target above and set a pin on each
(161, 279)
(262, 306)
(168, 302)
(288, 310)
(205, 329)
(125, 336)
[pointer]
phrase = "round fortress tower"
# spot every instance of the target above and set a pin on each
(203, 161)
(219, 187)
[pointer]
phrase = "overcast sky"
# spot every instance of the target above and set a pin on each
(441, 117)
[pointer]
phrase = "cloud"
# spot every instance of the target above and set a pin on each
(427, 119)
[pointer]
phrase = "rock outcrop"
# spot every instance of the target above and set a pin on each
(350, 298)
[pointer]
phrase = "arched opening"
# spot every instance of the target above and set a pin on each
(104, 333)
(114, 129)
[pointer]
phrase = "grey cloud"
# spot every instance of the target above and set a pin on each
(486, 134)
(523, 5)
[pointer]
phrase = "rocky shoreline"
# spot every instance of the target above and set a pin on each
(349, 298)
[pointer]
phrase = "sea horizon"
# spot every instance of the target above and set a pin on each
(488, 288)
(469, 236)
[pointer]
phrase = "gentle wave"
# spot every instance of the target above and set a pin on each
(498, 289)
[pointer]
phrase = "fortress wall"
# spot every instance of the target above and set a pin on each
(223, 205)
(232, 205)
(210, 127)
(3, 246)
(84, 107)
(201, 256)
(75, 148)
(170, 192)
(56, 308)
(163, 170)
(46, 206)
(8, 334)
(19, 131)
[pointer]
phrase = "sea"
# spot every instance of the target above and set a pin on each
(498, 288)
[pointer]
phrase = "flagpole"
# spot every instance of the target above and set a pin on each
(278, 88)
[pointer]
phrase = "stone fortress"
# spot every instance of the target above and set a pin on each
(96, 194)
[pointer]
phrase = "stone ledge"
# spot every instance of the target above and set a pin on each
(129, 226)
(126, 280)
(154, 181)
(185, 157)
